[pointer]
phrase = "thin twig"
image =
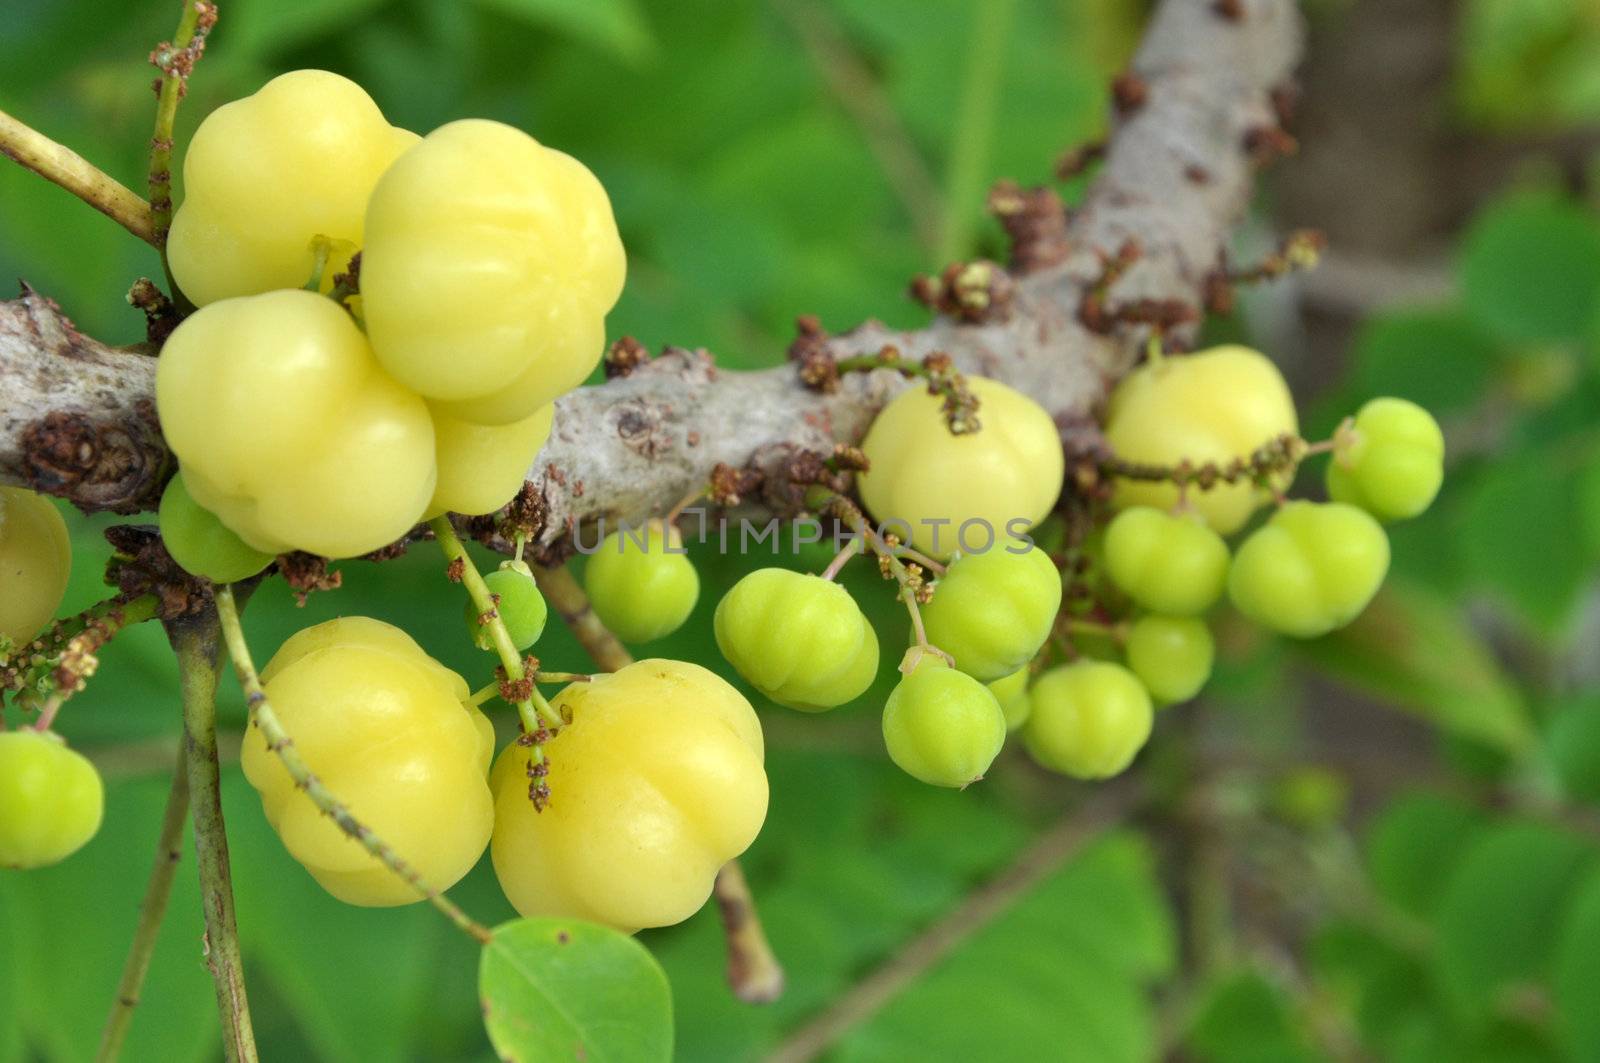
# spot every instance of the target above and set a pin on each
(560, 588)
(152, 910)
(195, 641)
(754, 973)
(279, 742)
(175, 60)
(1108, 805)
(63, 166)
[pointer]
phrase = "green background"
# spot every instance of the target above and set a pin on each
(1380, 845)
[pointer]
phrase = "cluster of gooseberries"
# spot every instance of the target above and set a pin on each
(383, 324)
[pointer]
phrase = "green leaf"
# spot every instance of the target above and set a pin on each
(1440, 359)
(1387, 989)
(1573, 740)
(1414, 843)
(616, 25)
(1244, 1018)
(1413, 648)
(1069, 963)
(563, 989)
(1498, 920)
(1519, 534)
(1577, 972)
(1530, 269)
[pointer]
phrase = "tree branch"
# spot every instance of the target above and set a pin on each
(195, 640)
(1195, 118)
(62, 166)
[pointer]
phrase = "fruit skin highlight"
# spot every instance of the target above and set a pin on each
(1009, 471)
(655, 784)
(1212, 406)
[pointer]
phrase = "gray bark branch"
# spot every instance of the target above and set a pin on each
(77, 417)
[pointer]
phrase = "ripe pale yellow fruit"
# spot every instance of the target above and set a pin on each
(389, 731)
(35, 561)
(1211, 406)
(655, 784)
(289, 431)
(489, 266)
(969, 491)
(266, 174)
(482, 467)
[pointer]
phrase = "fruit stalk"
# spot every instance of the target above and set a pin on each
(263, 716)
(194, 640)
(535, 711)
(152, 910)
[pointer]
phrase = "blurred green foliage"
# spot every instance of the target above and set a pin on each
(747, 193)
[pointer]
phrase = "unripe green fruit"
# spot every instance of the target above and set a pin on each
(200, 543)
(943, 726)
(800, 640)
(1012, 693)
(992, 611)
(1089, 720)
(1392, 464)
(35, 561)
(1172, 564)
(521, 607)
(1171, 655)
(642, 591)
(1310, 569)
(1211, 406)
(51, 800)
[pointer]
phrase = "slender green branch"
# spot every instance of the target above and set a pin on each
(754, 973)
(152, 910)
(56, 665)
(63, 166)
(279, 741)
(537, 714)
(195, 640)
(175, 60)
